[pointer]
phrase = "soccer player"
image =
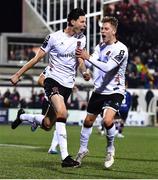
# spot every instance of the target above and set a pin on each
(60, 79)
(109, 61)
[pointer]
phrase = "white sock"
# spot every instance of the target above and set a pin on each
(110, 137)
(32, 117)
(62, 139)
(54, 142)
(84, 138)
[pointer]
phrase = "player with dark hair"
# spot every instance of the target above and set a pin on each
(61, 72)
(109, 61)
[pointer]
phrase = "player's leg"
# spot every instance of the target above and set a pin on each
(92, 113)
(111, 106)
(108, 117)
(61, 117)
(58, 95)
(45, 120)
(24, 117)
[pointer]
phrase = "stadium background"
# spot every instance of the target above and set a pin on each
(24, 27)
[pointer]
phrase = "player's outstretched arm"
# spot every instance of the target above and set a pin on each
(16, 77)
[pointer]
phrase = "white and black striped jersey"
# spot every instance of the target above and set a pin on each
(109, 63)
(62, 61)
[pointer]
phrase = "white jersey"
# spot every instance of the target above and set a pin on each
(114, 57)
(62, 61)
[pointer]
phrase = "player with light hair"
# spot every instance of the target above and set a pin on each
(109, 61)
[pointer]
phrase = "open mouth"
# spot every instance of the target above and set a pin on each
(103, 36)
(83, 29)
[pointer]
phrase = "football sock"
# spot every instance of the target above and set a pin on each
(32, 117)
(84, 138)
(110, 136)
(62, 139)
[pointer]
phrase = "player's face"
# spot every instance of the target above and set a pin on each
(80, 24)
(108, 33)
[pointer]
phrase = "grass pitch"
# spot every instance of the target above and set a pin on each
(23, 155)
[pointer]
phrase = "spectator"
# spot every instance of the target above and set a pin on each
(134, 102)
(149, 95)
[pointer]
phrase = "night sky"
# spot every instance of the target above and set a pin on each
(11, 16)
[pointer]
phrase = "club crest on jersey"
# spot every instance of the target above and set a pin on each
(108, 53)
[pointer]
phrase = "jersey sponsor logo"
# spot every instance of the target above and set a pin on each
(45, 43)
(66, 55)
(119, 57)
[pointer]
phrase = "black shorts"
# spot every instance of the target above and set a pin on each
(98, 102)
(53, 87)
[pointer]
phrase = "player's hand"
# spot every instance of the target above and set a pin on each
(82, 53)
(14, 79)
(86, 76)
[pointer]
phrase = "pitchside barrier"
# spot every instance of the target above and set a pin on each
(76, 117)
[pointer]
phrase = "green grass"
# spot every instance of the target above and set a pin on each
(136, 155)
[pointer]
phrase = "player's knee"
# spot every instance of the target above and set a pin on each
(62, 114)
(108, 124)
(88, 123)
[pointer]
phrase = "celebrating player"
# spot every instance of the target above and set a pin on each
(60, 78)
(109, 60)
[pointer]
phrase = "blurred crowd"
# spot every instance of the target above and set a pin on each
(13, 99)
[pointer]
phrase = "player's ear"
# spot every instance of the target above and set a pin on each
(114, 31)
(72, 22)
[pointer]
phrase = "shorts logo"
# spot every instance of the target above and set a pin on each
(55, 90)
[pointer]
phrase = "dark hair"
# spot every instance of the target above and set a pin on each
(74, 15)
(112, 20)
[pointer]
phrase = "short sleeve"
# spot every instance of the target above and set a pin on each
(47, 44)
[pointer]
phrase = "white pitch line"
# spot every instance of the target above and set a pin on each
(19, 146)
